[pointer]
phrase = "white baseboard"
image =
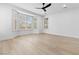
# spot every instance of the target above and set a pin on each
(7, 38)
(13, 36)
(72, 36)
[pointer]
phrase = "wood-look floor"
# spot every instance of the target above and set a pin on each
(40, 44)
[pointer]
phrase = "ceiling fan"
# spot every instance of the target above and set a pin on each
(44, 6)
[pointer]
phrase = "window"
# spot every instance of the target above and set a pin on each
(45, 23)
(34, 23)
(23, 21)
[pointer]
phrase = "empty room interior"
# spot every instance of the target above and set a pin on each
(39, 28)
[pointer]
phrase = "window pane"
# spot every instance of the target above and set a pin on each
(46, 23)
(34, 23)
(29, 22)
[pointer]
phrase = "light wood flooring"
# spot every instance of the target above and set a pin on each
(40, 44)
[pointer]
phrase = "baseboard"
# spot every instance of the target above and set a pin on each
(63, 35)
(7, 38)
(13, 36)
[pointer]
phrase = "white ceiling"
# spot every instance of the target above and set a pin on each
(54, 8)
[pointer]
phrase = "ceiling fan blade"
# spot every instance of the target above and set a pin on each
(38, 8)
(47, 5)
(44, 10)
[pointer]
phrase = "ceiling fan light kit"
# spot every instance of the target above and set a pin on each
(64, 6)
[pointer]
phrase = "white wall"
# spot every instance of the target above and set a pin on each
(6, 22)
(64, 23)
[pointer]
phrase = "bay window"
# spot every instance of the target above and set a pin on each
(23, 22)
